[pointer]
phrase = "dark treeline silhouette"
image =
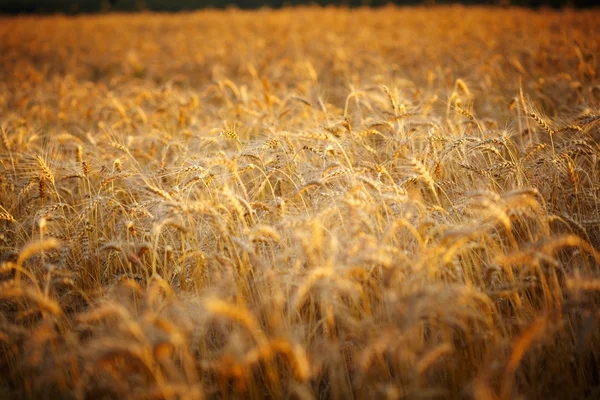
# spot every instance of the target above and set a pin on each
(90, 6)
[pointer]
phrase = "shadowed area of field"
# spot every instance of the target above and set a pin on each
(301, 203)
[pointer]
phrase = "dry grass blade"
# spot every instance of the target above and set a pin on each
(520, 346)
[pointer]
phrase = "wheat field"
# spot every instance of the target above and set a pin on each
(328, 203)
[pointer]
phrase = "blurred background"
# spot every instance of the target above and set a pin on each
(87, 6)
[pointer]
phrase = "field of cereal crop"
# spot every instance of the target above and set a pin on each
(397, 203)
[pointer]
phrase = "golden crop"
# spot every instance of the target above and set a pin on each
(396, 203)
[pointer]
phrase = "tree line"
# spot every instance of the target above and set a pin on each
(91, 6)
